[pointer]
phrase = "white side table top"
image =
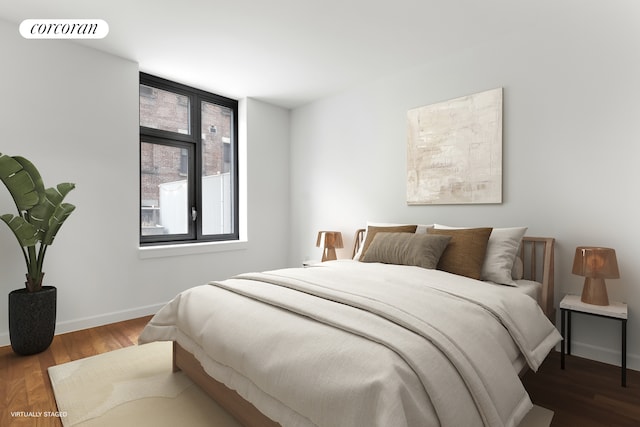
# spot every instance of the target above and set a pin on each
(311, 262)
(614, 309)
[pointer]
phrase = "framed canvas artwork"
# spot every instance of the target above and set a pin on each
(454, 151)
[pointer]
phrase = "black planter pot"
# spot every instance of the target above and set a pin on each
(32, 319)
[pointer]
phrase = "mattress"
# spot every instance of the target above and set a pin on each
(349, 343)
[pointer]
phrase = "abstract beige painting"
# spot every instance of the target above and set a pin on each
(454, 151)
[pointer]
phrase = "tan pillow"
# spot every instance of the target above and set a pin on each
(372, 230)
(465, 253)
(422, 250)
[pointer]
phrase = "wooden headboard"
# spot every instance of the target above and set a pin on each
(537, 256)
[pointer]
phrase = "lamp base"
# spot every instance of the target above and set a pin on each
(329, 254)
(594, 292)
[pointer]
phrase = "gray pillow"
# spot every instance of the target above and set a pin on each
(422, 250)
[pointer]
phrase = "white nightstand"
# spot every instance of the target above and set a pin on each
(615, 310)
(311, 263)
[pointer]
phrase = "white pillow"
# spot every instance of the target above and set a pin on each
(501, 253)
(517, 272)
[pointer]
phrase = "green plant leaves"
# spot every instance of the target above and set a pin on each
(26, 233)
(41, 214)
(22, 180)
(61, 213)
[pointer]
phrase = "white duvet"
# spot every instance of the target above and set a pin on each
(357, 344)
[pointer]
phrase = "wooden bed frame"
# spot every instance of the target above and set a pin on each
(537, 255)
(241, 409)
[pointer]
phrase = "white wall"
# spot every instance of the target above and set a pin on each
(73, 111)
(570, 150)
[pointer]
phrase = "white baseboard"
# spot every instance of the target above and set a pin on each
(93, 321)
(604, 355)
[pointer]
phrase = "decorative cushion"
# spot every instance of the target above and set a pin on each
(372, 230)
(422, 250)
(502, 249)
(465, 253)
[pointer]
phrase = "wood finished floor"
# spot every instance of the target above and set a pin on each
(586, 394)
(24, 381)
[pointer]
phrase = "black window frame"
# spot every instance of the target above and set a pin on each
(193, 143)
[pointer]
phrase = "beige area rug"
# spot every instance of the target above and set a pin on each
(134, 386)
(537, 417)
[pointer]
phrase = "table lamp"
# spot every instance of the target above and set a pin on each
(595, 264)
(329, 241)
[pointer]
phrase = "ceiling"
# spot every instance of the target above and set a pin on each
(287, 52)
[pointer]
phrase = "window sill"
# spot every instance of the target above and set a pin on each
(148, 252)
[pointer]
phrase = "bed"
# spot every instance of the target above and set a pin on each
(381, 339)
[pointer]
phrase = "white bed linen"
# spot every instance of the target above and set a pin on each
(303, 372)
(531, 288)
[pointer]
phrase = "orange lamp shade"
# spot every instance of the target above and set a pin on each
(595, 264)
(329, 241)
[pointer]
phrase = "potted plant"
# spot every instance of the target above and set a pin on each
(41, 213)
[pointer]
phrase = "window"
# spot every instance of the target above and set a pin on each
(188, 164)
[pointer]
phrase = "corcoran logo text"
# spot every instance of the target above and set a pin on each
(64, 29)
